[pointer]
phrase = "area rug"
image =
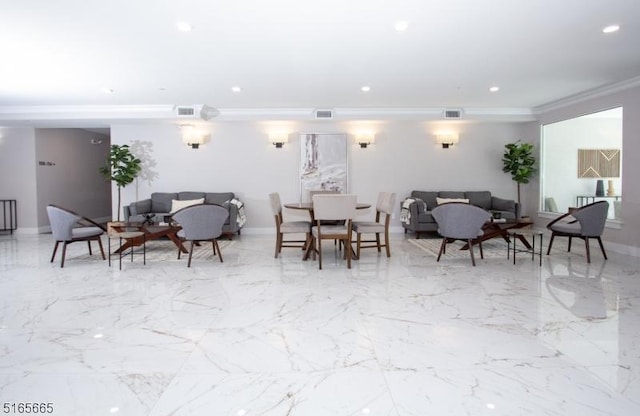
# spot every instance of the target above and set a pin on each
(490, 248)
(157, 250)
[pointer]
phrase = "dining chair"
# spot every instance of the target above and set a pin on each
(585, 222)
(341, 207)
(68, 227)
(202, 222)
(384, 206)
(460, 221)
(288, 227)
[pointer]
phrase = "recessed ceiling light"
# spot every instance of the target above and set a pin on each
(494, 89)
(401, 25)
(366, 88)
(236, 89)
(106, 90)
(184, 27)
(611, 29)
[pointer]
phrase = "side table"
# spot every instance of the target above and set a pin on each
(515, 235)
(120, 235)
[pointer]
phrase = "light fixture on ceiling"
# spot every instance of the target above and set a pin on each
(401, 26)
(447, 139)
(365, 139)
(611, 29)
(184, 27)
(191, 136)
(279, 139)
(236, 89)
(495, 88)
(365, 88)
(106, 90)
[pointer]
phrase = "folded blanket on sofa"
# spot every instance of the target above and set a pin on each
(241, 217)
(405, 214)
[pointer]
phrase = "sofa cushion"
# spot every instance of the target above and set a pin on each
(161, 201)
(218, 198)
(429, 198)
(441, 201)
(452, 194)
(480, 199)
(140, 207)
(499, 204)
(187, 195)
(177, 204)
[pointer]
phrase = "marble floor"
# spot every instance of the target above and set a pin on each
(262, 336)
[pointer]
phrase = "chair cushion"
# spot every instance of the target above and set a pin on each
(84, 232)
(295, 227)
(368, 227)
(330, 229)
(564, 227)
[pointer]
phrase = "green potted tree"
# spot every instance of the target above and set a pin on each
(122, 167)
(518, 160)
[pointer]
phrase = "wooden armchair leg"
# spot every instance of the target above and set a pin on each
(602, 248)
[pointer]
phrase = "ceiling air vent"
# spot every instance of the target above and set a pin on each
(452, 113)
(324, 114)
(186, 111)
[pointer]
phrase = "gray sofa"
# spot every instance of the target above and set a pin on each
(159, 206)
(415, 211)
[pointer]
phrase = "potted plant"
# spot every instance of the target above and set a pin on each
(518, 160)
(122, 167)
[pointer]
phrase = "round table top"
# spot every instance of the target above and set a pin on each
(309, 205)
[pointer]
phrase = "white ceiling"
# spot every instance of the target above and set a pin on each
(290, 54)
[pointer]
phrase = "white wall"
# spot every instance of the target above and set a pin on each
(18, 174)
(239, 158)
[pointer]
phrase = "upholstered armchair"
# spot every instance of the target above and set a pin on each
(201, 222)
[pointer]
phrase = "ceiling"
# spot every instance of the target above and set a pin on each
(296, 54)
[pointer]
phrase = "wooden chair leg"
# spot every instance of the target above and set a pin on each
(602, 248)
(55, 248)
(216, 247)
(278, 244)
(386, 243)
(550, 243)
(481, 253)
(319, 253)
(89, 245)
(358, 244)
(101, 248)
(586, 245)
(569, 247)
(378, 242)
(64, 253)
(190, 254)
(442, 248)
(348, 249)
(470, 244)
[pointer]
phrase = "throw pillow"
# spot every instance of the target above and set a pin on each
(177, 204)
(447, 200)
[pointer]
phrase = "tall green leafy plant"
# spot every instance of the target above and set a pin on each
(518, 160)
(122, 167)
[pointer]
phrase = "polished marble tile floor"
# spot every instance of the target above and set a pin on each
(262, 336)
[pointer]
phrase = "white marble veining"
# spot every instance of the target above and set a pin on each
(262, 336)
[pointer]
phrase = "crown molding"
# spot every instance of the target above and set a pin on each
(105, 115)
(588, 95)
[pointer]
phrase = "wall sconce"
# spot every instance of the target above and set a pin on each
(447, 139)
(365, 140)
(279, 140)
(192, 137)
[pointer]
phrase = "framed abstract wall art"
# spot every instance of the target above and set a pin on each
(323, 163)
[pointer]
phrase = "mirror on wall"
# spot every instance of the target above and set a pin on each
(581, 162)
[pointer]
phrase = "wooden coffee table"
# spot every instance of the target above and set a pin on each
(151, 232)
(494, 229)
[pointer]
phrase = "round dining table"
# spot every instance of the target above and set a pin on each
(308, 206)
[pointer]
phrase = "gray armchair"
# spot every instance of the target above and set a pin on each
(585, 223)
(68, 227)
(201, 222)
(460, 221)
